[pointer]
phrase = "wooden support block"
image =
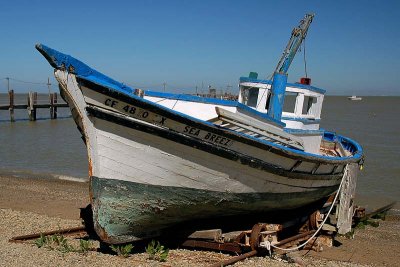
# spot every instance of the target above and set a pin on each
(231, 236)
(213, 234)
(11, 106)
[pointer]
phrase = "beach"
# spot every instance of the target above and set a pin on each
(31, 205)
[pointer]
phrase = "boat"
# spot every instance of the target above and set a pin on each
(354, 98)
(159, 159)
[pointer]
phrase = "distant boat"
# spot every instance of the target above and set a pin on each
(354, 98)
(158, 159)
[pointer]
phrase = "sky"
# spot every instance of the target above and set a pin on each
(352, 47)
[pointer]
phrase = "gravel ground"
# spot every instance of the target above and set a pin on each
(14, 223)
(36, 205)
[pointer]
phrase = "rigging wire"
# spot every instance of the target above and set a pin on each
(304, 57)
(21, 81)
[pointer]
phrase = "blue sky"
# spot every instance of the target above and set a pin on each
(353, 47)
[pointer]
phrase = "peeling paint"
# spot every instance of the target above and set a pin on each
(144, 211)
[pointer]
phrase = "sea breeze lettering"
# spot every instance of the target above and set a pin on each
(217, 139)
(191, 130)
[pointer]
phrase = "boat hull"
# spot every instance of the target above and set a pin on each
(151, 167)
(147, 178)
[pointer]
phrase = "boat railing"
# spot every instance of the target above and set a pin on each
(347, 144)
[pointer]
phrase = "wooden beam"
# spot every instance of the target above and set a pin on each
(213, 234)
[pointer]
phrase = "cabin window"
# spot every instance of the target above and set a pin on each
(250, 96)
(267, 102)
(290, 102)
(309, 105)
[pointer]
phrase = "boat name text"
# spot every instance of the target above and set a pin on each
(160, 120)
(214, 138)
(136, 112)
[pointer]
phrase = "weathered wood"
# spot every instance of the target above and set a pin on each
(32, 101)
(212, 234)
(53, 106)
(11, 106)
(346, 199)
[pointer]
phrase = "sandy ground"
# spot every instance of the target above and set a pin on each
(35, 205)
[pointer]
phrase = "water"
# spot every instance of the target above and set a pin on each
(50, 148)
(54, 147)
(373, 123)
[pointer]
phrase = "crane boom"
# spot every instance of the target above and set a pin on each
(279, 80)
(298, 35)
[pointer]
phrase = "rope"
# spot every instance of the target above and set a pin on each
(323, 222)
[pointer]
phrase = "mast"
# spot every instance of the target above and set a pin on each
(280, 74)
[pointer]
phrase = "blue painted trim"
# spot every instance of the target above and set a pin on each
(303, 120)
(297, 85)
(59, 60)
(304, 132)
(347, 143)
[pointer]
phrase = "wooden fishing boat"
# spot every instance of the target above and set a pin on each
(159, 159)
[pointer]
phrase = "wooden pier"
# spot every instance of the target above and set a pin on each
(32, 105)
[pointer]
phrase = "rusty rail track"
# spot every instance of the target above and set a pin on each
(66, 231)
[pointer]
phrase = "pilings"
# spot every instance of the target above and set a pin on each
(32, 102)
(32, 105)
(53, 106)
(11, 106)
